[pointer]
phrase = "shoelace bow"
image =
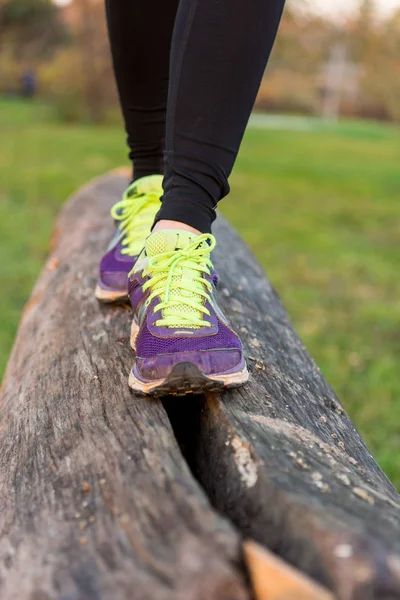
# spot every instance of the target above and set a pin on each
(135, 220)
(162, 270)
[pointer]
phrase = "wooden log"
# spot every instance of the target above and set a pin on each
(281, 458)
(96, 499)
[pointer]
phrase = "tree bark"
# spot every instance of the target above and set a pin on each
(96, 499)
(281, 458)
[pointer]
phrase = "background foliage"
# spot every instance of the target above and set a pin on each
(316, 61)
(327, 231)
(326, 193)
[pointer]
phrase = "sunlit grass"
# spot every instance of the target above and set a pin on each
(319, 208)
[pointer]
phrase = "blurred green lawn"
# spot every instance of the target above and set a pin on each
(320, 209)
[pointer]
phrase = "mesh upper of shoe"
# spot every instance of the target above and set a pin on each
(145, 185)
(167, 241)
(148, 346)
(114, 261)
(136, 211)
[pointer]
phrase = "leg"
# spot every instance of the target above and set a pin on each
(219, 52)
(140, 34)
(182, 339)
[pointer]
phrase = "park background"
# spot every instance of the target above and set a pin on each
(315, 191)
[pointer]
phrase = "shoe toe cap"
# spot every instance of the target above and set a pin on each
(114, 280)
(209, 362)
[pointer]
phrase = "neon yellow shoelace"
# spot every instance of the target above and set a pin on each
(176, 278)
(136, 215)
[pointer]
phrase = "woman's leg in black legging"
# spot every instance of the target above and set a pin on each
(140, 33)
(219, 52)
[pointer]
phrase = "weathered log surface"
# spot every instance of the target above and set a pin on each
(281, 458)
(96, 501)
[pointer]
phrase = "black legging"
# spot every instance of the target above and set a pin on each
(188, 73)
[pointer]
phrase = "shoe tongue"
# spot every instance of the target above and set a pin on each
(146, 185)
(168, 240)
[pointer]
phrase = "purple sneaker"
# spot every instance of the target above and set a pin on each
(135, 214)
(182, 339)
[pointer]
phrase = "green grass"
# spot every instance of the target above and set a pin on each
(319, 208)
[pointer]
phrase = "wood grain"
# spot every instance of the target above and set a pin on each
(96, 499)
(281, 458)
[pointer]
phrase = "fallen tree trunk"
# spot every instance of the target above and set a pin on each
(282, 459)
(96, 499)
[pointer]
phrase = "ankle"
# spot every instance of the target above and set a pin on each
(164, 224)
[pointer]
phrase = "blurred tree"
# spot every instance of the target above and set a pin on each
(363, 32)
(381, 80)
(69, 47)
(91, 22)
(32, 28)
(302, 46)
(79, 78)
(349, 67)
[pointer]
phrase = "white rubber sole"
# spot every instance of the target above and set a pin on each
(184, 378)
(108, 296)
(176, 384)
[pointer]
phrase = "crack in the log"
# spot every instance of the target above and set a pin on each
(185, 420)
(184, 417)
